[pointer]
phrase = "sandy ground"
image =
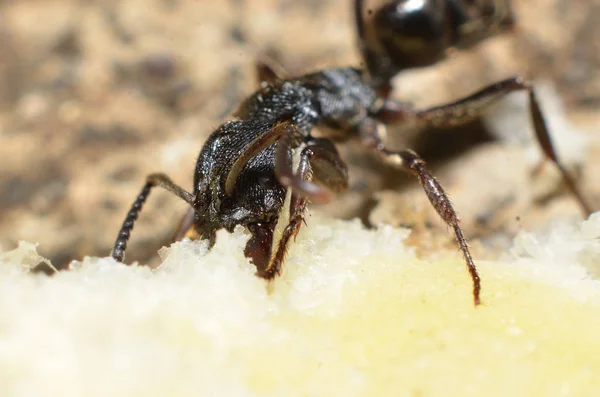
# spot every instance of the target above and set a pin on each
(97, 94)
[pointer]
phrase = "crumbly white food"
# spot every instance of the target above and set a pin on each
(355, 313)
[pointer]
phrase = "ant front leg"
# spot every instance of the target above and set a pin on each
(326, 166)
(410, 162)
(468, 108)
(319, 162)
(297, 208)
(118, 252)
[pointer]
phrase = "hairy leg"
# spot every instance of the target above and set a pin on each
(319, 162)
(118, 252)
(408, 161)
(466, 109)
(328, 167)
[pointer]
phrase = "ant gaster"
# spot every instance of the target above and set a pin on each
(245, 168)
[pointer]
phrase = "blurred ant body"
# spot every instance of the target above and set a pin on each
(246, 167)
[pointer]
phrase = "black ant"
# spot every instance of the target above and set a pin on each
(245, 168)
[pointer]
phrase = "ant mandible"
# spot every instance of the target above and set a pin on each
(245, 168)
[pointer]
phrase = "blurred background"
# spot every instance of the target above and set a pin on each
(95, 95)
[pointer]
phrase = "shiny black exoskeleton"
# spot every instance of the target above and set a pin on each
(248, 166)
(415, 33)
(338, 98)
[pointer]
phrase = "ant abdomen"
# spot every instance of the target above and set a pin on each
(402, 34)
(413, 33)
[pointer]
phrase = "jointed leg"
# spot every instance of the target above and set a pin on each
(468, 108)
(284, 169)
(325, 162)
(326, 165)
(410, 162)
(297, 207)
(319, 161)
(161, 180)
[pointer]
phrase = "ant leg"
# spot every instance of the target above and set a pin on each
(297, 207)
(410, 162)
(468, 108)
(319, 161)
(284, 169)
(326, 165)
(161, 180)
